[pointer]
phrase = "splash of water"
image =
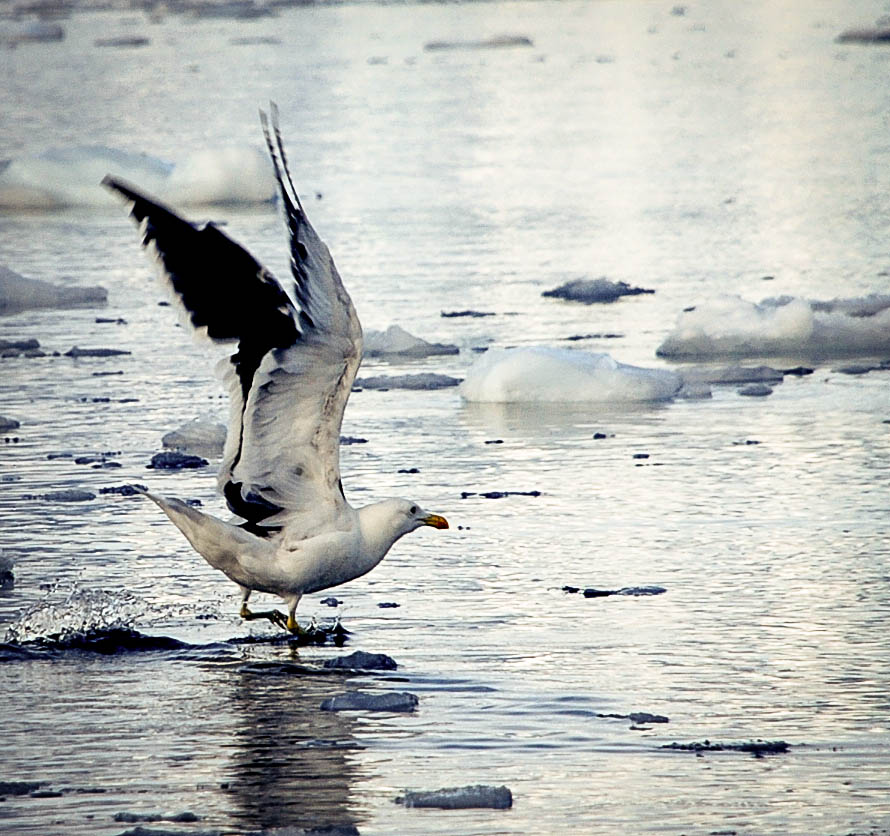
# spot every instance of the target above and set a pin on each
(78, 612)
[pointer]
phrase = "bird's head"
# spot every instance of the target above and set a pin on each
(401, 516)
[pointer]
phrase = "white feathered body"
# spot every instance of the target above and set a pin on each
(289, 564)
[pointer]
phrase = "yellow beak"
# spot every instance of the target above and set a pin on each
(435, 521)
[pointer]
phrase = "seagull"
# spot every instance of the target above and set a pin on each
(298, 348)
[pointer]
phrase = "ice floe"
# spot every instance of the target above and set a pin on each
(62, 177)
(202, 436)
(730, 326)
(395, 340)
(554, 374)
(20, 294)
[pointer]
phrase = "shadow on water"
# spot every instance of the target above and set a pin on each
(291, 763)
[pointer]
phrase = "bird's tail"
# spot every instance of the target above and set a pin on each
(218, 542)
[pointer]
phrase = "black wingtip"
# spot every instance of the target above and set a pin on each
(115, 184)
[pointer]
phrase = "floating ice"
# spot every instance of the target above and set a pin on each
(20, 294)
(60, 177)
(786, 326)
(396, 340)
(555, 374)
(202, 436)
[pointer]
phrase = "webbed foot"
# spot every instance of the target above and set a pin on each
(274, 616)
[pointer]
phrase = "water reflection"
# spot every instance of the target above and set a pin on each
(291, 765)
(522, 419)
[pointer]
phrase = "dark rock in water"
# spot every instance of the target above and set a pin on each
(798, 371)
(399, 701)
(7, 578)
(756, 390)
(758, 748)
(425, 380)
(132, 818)
(19, 345)
(125, 490)
(645, 717)
(68, 496)
(122, 41)
(576, 337)
(351, 439)
(362, 661)
(633, 591)
(409, 470)
(471, 314)
(8, 424)
(388, 605)
(111, 642)
(139, 830)
(460, 798)
(637, 717)
(330, 601)
(498, 494)
(173, 460)
(731, 374)
(19, 787)
(590, 291)
(46, 794)
(497, 42)
(75, 351)
(865, 35)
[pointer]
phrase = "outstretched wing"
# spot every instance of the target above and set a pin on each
(294, 366)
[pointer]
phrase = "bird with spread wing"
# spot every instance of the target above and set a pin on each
(299, 346)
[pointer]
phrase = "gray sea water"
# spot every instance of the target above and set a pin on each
(693, 150)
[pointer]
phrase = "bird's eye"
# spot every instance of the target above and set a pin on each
(413, 509)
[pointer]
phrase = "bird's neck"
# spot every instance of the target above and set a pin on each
(378, 530)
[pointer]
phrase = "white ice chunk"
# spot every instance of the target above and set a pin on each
(62, 177)
(396, 340)
(202, 436)
(554, 374)
(20, 294)
(788, 326)
(221, 175)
